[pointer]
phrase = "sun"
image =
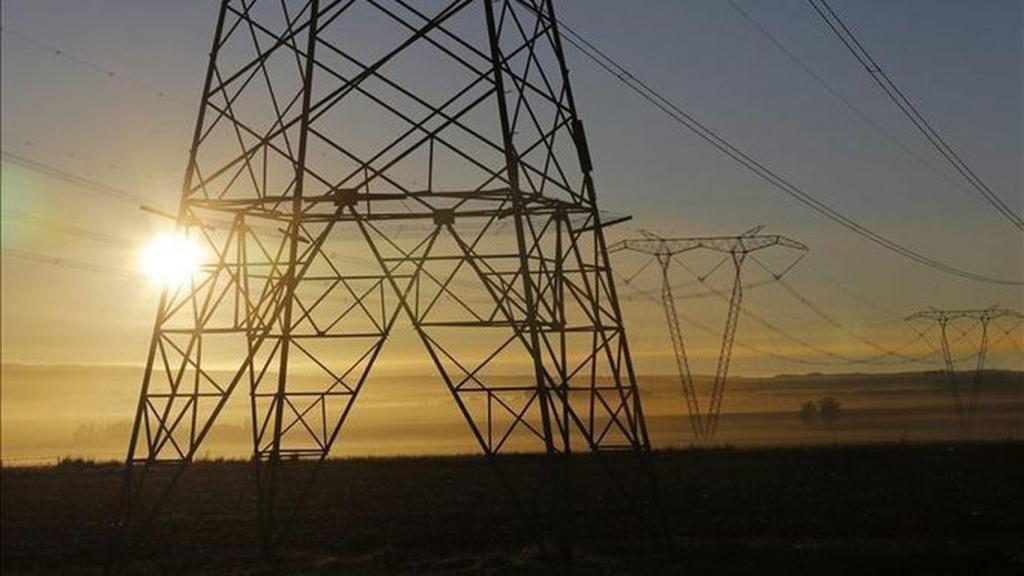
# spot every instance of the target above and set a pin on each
(171, 259)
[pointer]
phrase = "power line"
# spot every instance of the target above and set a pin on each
(895, 316)
(966, 335)
(641, 294)
(75, 264)
(58, 173)
(125, 196)
(895, 352)
(69, 229)
(52, 49)
(835, 323)
(764, 323)
(661, 250)
(666, 106)
(51, 152)
(840, 360)
(122, 195)
(683, 118)
(900, 99)
(800, 63)
(71, 263)
(705, 328)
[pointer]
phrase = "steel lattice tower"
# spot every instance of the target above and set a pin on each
(966, 408)
(704, 424)
(355, 163)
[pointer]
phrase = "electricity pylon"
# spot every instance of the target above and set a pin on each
(326, 126)
(736, 248)
(965, 410)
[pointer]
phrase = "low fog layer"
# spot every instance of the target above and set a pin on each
(81, 411)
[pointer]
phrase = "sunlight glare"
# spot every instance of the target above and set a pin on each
(171, 259)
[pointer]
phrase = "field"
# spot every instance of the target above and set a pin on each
(896, 508)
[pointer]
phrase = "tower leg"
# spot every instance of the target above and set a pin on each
(668, 303)
(728, 338)
(951, 379)
(979, 373)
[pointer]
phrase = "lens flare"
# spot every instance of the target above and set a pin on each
(171, 259)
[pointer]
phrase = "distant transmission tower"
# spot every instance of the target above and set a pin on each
(324, 128)
(736, 249)
(981, 318)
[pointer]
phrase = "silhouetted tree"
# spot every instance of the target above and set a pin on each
(829, 409)
(808, 413)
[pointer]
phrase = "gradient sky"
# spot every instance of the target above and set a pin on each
(962, 62)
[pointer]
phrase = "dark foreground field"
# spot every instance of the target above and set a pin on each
(911, 509)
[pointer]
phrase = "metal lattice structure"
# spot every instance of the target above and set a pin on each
(966, 408)
(357, 163)
(704, 424)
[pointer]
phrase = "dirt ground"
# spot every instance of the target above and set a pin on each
(897, 508)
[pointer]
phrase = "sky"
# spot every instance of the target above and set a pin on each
(117, 104)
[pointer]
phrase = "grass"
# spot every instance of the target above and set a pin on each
(910, 508)
(78, 463)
